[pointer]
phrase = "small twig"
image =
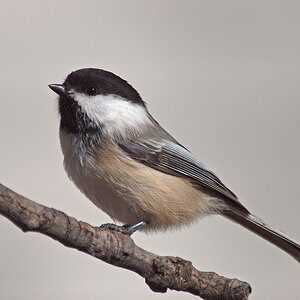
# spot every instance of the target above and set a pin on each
(160, 272)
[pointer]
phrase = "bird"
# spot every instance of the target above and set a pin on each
(122, 160)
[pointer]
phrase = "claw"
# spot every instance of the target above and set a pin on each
(126, 229)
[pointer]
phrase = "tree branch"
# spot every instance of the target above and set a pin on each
(118, 249)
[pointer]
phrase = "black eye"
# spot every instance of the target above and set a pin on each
(91, 91)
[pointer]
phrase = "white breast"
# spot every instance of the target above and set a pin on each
(80, 168)
(129, 191)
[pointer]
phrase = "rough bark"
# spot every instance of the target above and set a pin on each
(116, 248)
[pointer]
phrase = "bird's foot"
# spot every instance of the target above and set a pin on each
(126, 229)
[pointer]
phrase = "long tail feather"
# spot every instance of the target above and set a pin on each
(257, 226)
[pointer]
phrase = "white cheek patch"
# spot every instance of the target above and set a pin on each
(113, 112)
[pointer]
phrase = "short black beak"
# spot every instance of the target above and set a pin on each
(58, 89)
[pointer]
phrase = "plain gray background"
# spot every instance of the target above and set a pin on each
(221, 76)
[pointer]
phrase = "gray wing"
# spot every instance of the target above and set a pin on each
(170, 157)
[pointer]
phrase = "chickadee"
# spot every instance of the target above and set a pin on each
(130, 167)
